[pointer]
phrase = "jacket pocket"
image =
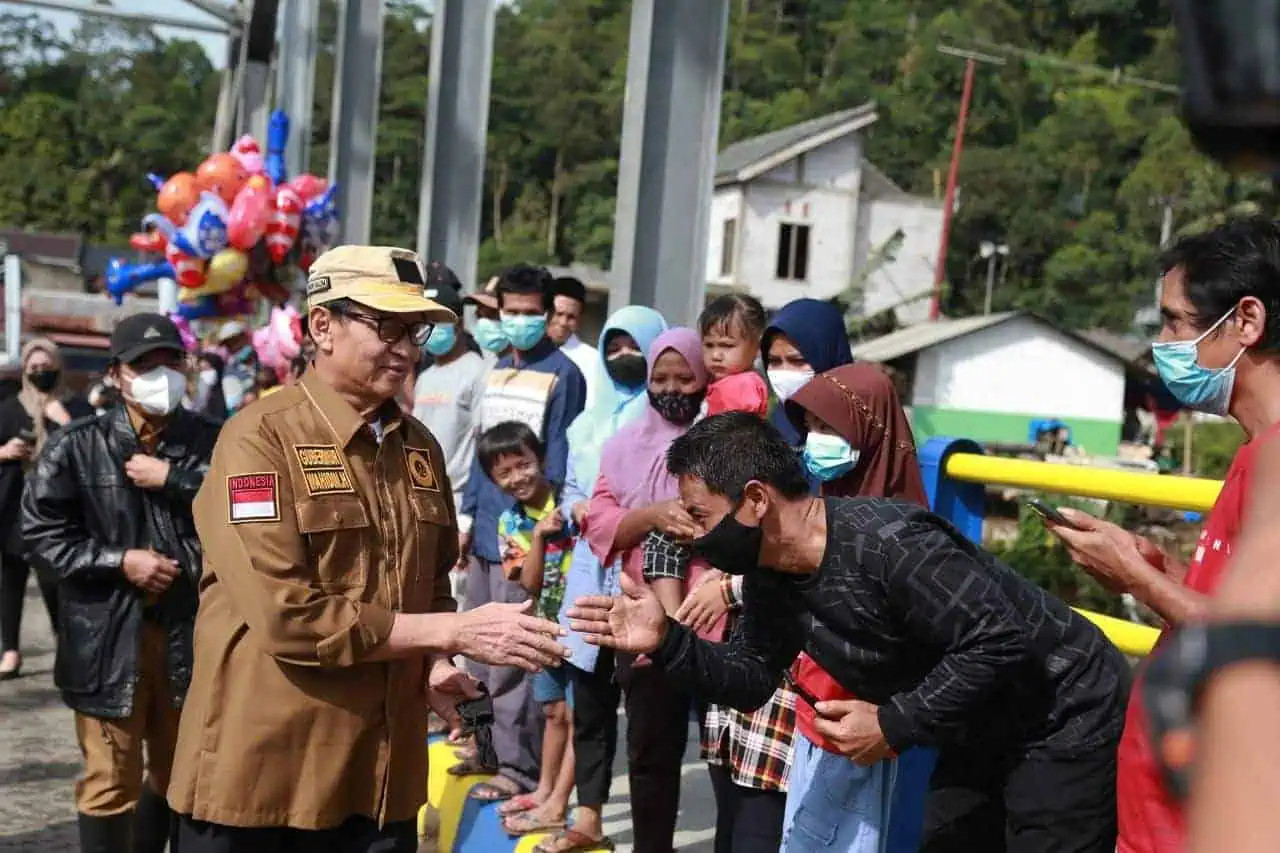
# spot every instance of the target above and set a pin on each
(339, 540)
(88, 617)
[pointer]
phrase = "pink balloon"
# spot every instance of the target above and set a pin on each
(247, 221)
(308, 186)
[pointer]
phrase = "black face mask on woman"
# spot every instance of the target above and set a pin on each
(627, 369)
(43, 381)
(730, 546)
(678, 408)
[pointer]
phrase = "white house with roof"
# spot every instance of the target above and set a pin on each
(988, 377)
(799, 212)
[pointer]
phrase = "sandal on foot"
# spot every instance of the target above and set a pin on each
(471, 767)
(518, 804)
(526, 822)
(577, 841)
(493, 792)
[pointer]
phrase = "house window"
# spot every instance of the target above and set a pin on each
(793, 252)
(728, 247)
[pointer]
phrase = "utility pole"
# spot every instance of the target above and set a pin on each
(971, 58)
(1166, 236)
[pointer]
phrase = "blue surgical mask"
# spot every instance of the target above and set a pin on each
(442, 338)
(1204, 389)
(489, 335)
(828, 457)
(524, 331)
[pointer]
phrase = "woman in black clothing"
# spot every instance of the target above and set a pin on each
(209, 400)
(26, 421)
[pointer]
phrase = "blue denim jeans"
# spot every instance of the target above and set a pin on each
(833, 804)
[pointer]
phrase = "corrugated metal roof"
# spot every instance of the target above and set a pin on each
(741, 155)
(924, 335)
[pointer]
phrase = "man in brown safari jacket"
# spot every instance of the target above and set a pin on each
(325, 624)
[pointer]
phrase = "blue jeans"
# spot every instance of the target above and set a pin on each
(833, 804)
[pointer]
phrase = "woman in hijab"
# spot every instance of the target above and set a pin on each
(633, 496)
(209, 399)
(26, 422)
(857, 443)
(623, 346)
(806, 337)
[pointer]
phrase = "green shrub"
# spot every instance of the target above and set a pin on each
(1038, 555)
(1213, 446)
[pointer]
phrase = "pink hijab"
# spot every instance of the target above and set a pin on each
(634, 460)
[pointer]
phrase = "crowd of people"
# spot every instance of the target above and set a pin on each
(255, 584)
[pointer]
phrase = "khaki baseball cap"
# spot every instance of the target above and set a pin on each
(383, 278)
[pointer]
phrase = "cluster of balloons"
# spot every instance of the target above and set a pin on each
(233, 232)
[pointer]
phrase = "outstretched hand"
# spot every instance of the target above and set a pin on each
(633, 622)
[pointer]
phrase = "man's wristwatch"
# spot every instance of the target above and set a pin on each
(1176, 676)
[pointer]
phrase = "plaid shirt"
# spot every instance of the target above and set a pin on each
(757, 747)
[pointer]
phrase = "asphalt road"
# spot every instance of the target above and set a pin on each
(39, 762)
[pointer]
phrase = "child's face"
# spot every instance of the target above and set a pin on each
(727, 350)
(518, 474)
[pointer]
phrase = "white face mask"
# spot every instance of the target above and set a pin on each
(208, 376)
(786, 383)
(158, 391)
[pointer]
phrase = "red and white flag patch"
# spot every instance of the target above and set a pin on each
(253, 497)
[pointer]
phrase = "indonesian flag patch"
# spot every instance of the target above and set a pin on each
(253, 497)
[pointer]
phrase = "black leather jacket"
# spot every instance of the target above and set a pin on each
(80, 513)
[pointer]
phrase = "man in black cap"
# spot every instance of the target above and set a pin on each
(107, 517)
(448, 392)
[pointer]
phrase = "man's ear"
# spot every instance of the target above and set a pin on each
(756, 498)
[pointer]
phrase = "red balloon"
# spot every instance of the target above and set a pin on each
(149, 241)
(308, 186)
(188, 271)
(247, 221)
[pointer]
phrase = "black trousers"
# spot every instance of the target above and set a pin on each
(748, 820)
(657, 733)
(14, 572)
(1035, 804)
(356, 835)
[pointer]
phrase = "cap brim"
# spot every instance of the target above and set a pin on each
(485, 300)
(134, 353)
(406, 303)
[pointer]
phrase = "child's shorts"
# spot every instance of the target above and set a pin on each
(552, 685)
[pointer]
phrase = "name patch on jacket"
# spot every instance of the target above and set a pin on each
(323, 471)
(420, 473)
(253, 497)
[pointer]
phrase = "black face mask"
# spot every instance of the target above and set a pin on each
(678, 408)
(627, 370)
(44, 380)
(731, 546)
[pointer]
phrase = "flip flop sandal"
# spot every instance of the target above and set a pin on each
(471, 767)
(579, 842)
(518, 804)
(526, 823)
(488, 792)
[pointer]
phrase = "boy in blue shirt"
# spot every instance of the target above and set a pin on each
(535, 541)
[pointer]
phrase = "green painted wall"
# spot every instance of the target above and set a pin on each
(1095, 436)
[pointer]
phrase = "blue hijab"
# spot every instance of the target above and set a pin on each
(617, 404)
(817, 330)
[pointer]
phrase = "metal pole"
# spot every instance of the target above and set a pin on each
(109, 12)
(451, 196)
(940, 269)
(295, 85)
(991, 282)
(353, 138)
(12, 309)
(666, 169)
(1166, 236)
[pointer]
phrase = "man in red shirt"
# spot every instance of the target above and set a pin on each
(1218, 352)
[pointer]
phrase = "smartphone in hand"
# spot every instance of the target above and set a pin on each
(1049, 513)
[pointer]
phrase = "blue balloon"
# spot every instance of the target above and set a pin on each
(202, 309)
(277, 139)
(122, 278)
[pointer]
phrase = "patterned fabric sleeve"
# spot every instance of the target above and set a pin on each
(664, 557)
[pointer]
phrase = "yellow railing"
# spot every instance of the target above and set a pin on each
(1184, 493)
(1188, 493)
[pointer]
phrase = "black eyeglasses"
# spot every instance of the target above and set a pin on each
(390, 330)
